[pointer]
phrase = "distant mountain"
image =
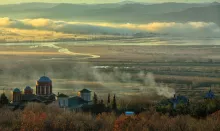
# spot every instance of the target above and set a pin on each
(215, 3)
(132, 2)
(124, 12)
(127, 2)
(127, 8)
(206, 14)
(134, 12)
(25, 6)
(23, 10)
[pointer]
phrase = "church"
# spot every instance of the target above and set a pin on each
(44, 93)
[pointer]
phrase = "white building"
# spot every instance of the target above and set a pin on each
(63, 100)
(76, 102)
(85, 94)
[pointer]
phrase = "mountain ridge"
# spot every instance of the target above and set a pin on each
(119, 13)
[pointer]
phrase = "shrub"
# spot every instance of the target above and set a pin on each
(10, 120)
(38, 117)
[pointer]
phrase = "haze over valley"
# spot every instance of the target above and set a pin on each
(129, 48)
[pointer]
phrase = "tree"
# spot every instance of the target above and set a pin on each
(108, 101)
(182, 109)
(98, 108)
(114, 105)
(3, 99)
(101, 102)
(198, 110)
(95, 99)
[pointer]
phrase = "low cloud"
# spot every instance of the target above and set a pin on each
(38, 22)
(5, 22)
(189, 28)
(181, 29)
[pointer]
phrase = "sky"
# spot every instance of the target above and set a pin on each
(99, 1)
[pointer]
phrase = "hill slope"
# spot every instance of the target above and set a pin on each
(123, 13)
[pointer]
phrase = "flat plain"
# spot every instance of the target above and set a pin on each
(190, 69)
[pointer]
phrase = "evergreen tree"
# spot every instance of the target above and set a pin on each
(95, 99)
(3, 99)
(114, 105)
(108, 102)
(101, 102)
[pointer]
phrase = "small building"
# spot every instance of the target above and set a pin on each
(75, 102)
(210, 94)
(63, 100)
(129, 113)
(85, 94)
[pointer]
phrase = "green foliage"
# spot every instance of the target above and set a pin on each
(198, 110)
(108, 101)
(212, 106)
(95, 99)
(164, 108)
(182, 109)
(3, 99)
(204, 108)
(114, 104)
(98, 108)
(40, 117)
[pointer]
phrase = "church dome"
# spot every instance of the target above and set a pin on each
(28, 88)
(16, 90)
(44, 79)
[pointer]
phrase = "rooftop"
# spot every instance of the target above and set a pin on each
(44, 79)
(28, 88)
(85, 91)
(16, 90)
(128, 113)
(76, 101)
(62, 95)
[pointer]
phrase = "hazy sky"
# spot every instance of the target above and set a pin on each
(98, 1)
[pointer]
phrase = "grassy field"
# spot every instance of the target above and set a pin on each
(190, 70)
